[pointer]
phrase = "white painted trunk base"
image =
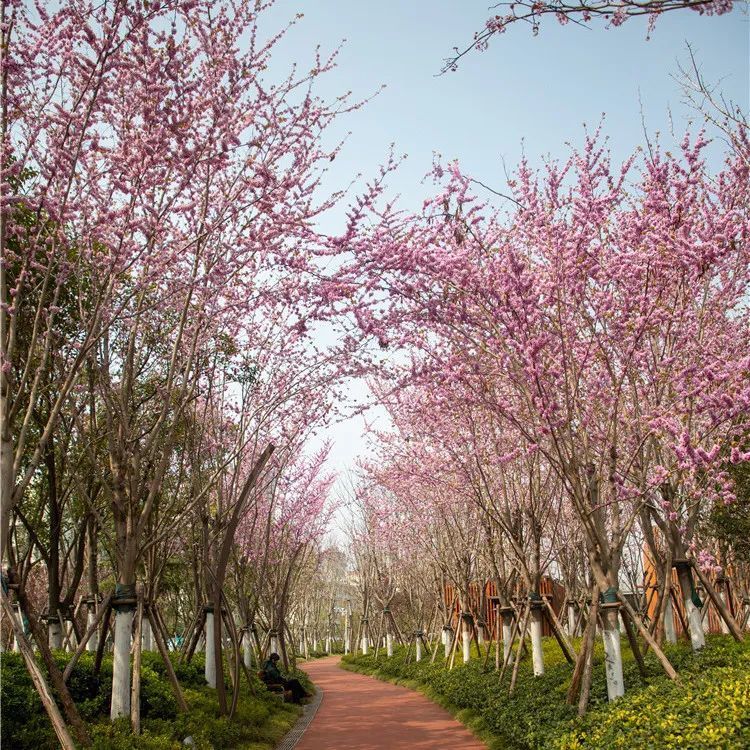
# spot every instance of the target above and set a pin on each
(121, 665)
(71, 642)
(537, 655)
(365, 645)
(419, 650)
(695, 625)
(447, 641)
(507, 634)
(466, 636)
(613, 659)
(724, 626)
(146, 635)
(670, 632)
(209, 670)
(572, 621)
(93, 643)
(389, 644)
(54, 634)
(19, 620)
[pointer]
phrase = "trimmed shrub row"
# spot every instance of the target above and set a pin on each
(261, 719)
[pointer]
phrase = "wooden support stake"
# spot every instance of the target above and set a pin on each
(633, 641)
(86, 638)
(232, 630)
(719, 604)
(135, 684)
(55, 676)
(162, 647)
(557, 630)
(509, 655)
(588, 661)
(103, 636)
(660, 655)
(584, 655)
(55, 717)
(522, 636)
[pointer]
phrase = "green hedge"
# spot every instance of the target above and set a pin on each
(261, 719)
(708, 710)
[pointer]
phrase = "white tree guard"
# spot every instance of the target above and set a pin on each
(121, 663)
(613, 658)
(209, 670)
(537, 654)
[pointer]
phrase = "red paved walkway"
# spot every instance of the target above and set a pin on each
(362, 713)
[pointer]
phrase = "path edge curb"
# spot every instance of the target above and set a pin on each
(295, 734)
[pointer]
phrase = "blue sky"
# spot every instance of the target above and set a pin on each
(524, 94)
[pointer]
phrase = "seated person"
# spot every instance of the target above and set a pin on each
(272, 676)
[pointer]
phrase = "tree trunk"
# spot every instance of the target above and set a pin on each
(121, 661)
(572, 619)
(537, 654)
(612, 651)
(466, 633)
(209, 669)
(692, 609)
(447, 640)
(146, 638)
(507, 615)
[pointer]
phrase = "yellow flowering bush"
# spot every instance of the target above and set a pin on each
(709, 711)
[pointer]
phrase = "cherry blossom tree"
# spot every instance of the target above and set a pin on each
(613, 12)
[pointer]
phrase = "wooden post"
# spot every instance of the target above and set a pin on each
(588, 654)
(61, 689)
(660, 655)
(557, 629)
(232, 630)
(161, 645)
(584, 655)
(522, 636)
(58, 724)
(103, 638)
(719, 604)
(633, 641)
(135, 683)
(86, 637)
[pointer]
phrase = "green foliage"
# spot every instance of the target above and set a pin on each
(261, 719)
(709, 708)
(730, 524)
(320, 654)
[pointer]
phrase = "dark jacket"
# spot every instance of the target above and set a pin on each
(271, 673)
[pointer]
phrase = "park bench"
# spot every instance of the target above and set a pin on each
(275, 688)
